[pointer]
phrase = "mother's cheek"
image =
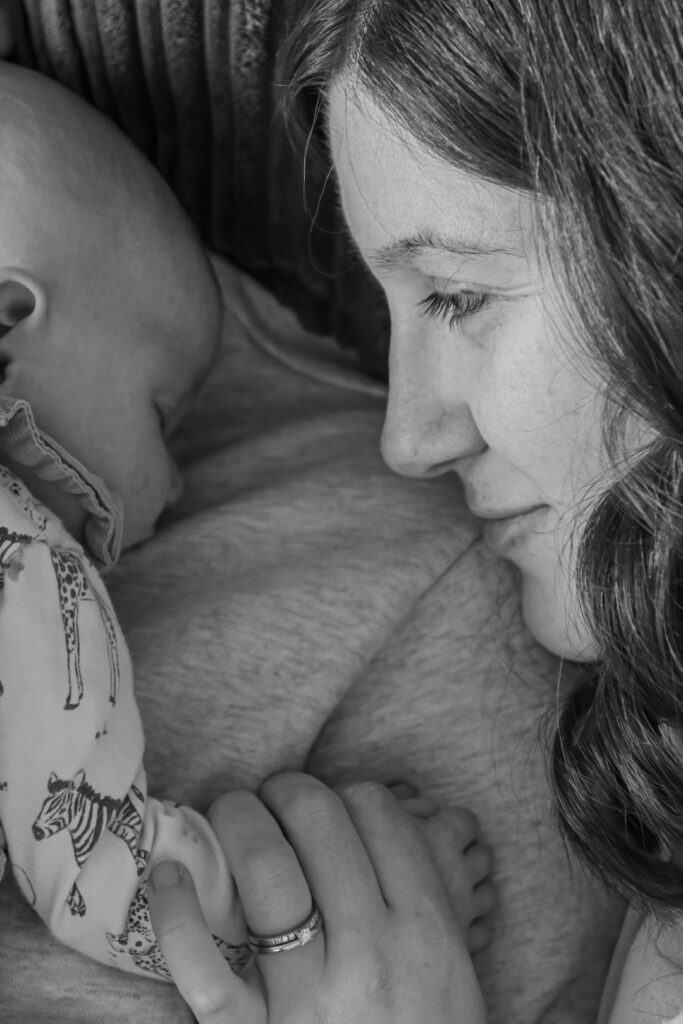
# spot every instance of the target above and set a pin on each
(549, 601)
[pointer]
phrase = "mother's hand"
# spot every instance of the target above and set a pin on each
(391, 951)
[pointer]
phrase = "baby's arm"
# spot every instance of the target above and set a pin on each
(80, 831)
(645, 983)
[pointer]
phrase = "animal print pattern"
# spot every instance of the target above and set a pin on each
(12, 546)
(11, 552)
(74, 805)
(31, 508)
(73, 587)
(127, 825)
(139, 942)
(75, 902)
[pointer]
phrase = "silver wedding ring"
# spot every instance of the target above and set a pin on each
(299, 936)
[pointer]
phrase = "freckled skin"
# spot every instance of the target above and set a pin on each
(503, 395)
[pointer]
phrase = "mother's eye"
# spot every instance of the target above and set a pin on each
(453, 307)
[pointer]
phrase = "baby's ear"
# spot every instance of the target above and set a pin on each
(22, 301)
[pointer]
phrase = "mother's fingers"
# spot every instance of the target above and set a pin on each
(271, 884)
(403, 865)
(274, 892)
(332, 854)
(203, 978)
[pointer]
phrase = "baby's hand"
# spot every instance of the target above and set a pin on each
(463, 860)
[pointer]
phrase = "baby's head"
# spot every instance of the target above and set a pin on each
(109, 310)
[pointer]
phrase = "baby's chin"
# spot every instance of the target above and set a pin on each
(552, 618)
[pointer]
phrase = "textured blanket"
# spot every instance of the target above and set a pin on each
(197, 84)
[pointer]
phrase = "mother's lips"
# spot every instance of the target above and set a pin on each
(504, 513)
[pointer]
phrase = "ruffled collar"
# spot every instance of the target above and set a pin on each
(26, 445)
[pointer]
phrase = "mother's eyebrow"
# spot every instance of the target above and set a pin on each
(409, 249)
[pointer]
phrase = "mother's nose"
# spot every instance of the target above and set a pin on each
(429, 422)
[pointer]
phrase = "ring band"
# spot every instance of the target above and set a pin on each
(299, 936)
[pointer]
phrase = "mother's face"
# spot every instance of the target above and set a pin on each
(484, 378)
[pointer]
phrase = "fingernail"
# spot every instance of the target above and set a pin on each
(166, 875)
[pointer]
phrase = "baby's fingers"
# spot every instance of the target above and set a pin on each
(464, 863)
(478, 857)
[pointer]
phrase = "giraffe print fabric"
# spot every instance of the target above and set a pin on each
(80, 831)
(73, 588)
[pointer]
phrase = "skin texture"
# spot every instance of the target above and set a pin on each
(130, 302)
(487, 380)
(382, 900)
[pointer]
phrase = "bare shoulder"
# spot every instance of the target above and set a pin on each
(647, 975)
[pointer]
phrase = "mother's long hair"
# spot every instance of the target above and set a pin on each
(582, 104)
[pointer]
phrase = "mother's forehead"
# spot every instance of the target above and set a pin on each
(388, 177)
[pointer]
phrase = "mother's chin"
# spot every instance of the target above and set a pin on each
(552, 617)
